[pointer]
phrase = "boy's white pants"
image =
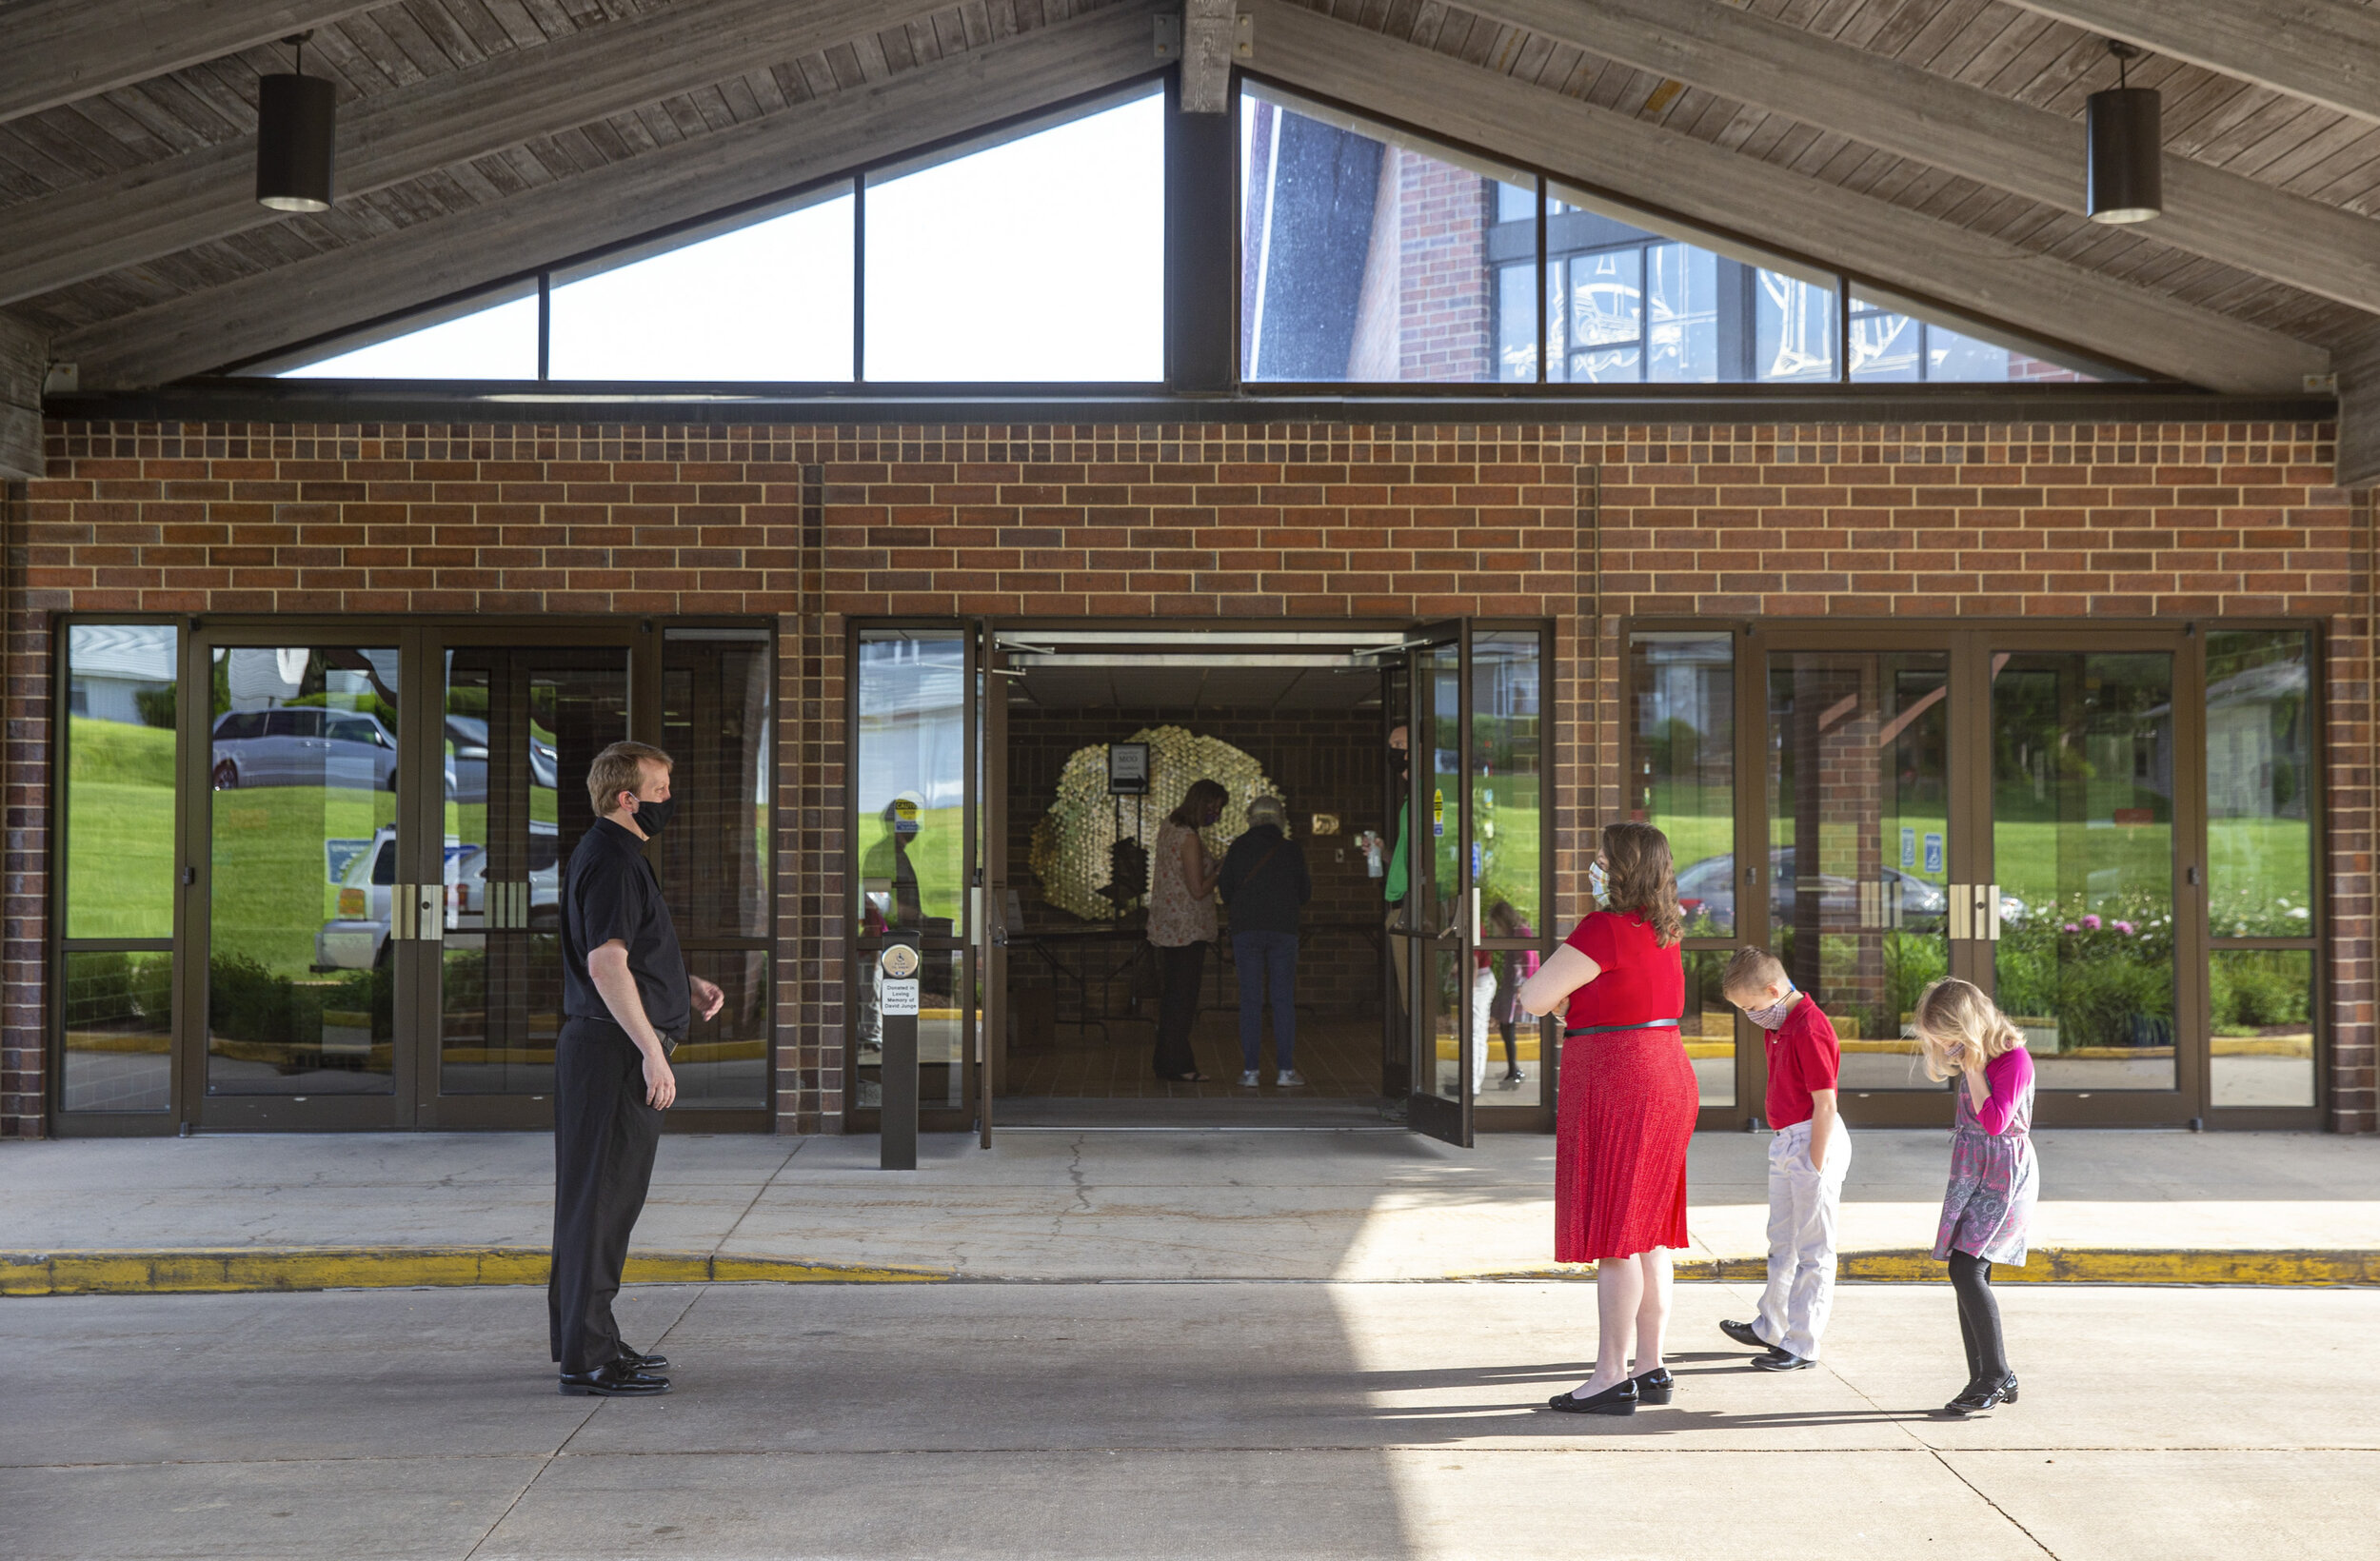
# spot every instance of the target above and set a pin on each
(1803, 1201)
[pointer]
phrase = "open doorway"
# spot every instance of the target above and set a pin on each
(1097, 744)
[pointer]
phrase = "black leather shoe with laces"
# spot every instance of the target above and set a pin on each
(632, 1361)
(1741, 1333)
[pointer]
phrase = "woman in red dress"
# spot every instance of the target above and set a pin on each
(1626, 1110)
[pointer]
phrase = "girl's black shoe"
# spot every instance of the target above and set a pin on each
(1619, 1400)
(1656, 1386)
(1981, 1395)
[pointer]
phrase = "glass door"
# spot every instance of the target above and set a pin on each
(2090, 780)
(519, 727)
(315, 875)
(914, 743)
(1436, 931)
(1863, 846)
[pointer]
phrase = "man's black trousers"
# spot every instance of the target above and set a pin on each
(604, 1140)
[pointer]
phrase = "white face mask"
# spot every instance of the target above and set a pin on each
(1598, 883)
(1773, 1015)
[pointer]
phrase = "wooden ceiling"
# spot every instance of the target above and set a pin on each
(481, 137)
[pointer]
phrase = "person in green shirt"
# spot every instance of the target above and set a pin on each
(1395, 885)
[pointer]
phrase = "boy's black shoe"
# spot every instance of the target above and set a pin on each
(1742, 1334)
(632, 1360)
(1778, 1360)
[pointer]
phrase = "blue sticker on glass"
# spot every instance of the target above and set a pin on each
(1909, 847)
(1934, 854)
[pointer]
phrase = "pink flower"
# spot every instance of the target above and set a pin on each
(2090, 923)
(2124, 927)
(2071, 928)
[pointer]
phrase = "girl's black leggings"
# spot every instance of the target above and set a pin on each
(1978, 1317)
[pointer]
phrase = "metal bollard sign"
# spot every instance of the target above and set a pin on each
(897, 1007)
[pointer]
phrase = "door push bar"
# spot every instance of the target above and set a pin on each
(505, 907)
(417, 912)
(1975, 912)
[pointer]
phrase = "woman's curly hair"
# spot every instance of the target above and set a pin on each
(1643, 879)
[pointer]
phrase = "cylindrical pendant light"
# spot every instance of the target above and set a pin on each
(295, 132)
(2127, 181)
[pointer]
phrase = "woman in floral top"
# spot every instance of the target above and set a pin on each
(1181, 923)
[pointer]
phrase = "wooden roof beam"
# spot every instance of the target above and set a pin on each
(1962, 130)
(160, 208)
(1730, 193)
(2320, 50)
(62, 49)
(952, 97)
(24, 367)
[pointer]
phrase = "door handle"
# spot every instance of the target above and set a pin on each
(417, 912)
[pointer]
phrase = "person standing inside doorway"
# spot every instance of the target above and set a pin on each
(1399, 882)
(1265, 884)
(1181, 923)
(627, 1001)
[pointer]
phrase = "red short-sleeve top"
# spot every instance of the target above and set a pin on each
(1640, 979)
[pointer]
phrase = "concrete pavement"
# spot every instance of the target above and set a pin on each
(306, 1212)
(1222, 1419)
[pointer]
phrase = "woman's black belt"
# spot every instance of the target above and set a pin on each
(1606, 1029)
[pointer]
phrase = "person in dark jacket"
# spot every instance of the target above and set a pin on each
(1264, 883)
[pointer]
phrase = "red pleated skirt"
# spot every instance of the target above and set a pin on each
(1625, 1115)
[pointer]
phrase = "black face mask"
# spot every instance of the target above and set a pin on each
(653, 817)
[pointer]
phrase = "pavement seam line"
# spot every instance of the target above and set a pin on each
(759, 1193)
(200, 1271)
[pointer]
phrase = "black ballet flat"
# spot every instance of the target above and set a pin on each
(1982, 1394)
(1656, 1386)
(1619, 1400)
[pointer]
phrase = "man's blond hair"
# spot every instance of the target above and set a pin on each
(618, 768)
(1751, 970)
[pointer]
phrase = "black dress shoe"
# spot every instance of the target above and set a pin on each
(1981, 1395)
(1778, 1360)
(629, 1359)
(1656, 1386)
(1742, 1334)
(1619, 1400)
(613, 1381)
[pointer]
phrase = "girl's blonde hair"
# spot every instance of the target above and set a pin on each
(1954, 1016)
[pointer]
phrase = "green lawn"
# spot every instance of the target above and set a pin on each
(119, 830)
(270, 894)
(937, 854)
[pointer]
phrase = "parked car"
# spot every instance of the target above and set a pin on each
(357, 937)
(467, 747)
(1708, 888)
(306, 746)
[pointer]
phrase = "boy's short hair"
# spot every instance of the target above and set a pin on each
(1751, 970)
(618, 768)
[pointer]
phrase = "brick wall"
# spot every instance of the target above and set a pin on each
(1192, 522)
(1445, 297)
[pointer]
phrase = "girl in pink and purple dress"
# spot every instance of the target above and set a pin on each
(1995, 1179)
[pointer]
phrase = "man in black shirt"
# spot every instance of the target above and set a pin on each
(627, 999)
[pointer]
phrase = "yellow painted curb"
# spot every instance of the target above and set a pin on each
(200, 1272)
(2070, 1265)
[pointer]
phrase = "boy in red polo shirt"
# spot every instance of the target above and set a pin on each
(1807, 1162)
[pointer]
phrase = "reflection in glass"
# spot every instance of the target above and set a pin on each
(2082, 837)
(117, 1010)
(724, 1062)
(1891, 342)
(1367, 258)
(1438, 678)
(767, 301)
(1682, 711)
(1448, 990)
(119, 780)
(715, 724)
(1794, 327)
(1709, 1027)
(1858, 803)
(1681, 288)
(1507, 776)
(910, 773)
(2263, 1043)
(941, 1033)
(2260, 776)
(522, 728)
(304, 765)
(1038, 258)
